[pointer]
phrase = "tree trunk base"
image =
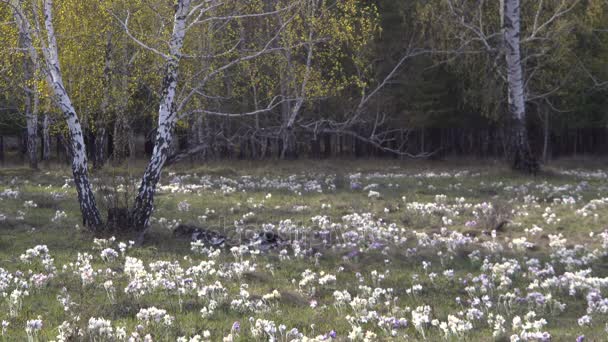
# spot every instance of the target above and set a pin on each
(118, 219)
(525, 161)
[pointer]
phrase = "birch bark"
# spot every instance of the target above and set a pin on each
(290, 146)
(30, 66)
(88, 207)
(167, 118)
(86, 198)
(523, 159)
(31, 113)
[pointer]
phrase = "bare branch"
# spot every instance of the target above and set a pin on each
(125, 26)
(596, 83)
(264, 50)
(244, 16)
(272, 105)
(559, 12)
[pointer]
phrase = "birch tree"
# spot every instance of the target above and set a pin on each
(175, 104)
(320, 45)
(32, 102)
(505, 64)
(167, 118)
(46, 137)
(523, 159)
(32, 32)
(23, 81)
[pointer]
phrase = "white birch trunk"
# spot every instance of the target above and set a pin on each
(30, 66)
(32, 132)
(167, 118)
(522, 155)
(513, 58)
(88, 206)
(288, 135)
(31, 115)
(290, 146)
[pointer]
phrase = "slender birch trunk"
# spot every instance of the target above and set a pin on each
(523, 159)
(100, 147)
(119, 134)
(131, 144)
(546, 134)
(31, 117)
(290, 144)
(30, 67)
(200, 136)
(46, 138)
(167, 118)
(285, 133)
(88, 207)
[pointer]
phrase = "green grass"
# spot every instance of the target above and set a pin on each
(293, 308)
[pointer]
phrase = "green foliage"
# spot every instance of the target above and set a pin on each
(354, 43)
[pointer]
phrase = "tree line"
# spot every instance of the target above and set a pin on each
(256, 79)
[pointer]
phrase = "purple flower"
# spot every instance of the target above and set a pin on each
(471, 223)
(236, 326)
(580, 338)
(332, 334)
(352, 253)
(376, 245)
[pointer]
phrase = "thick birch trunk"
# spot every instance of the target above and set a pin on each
(144, 203)
(167, 118)
(523, 159)
(52, 70)
(88, 206)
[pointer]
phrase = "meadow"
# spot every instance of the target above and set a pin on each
(360, 251)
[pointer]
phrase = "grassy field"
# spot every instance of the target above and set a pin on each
(372, 250)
